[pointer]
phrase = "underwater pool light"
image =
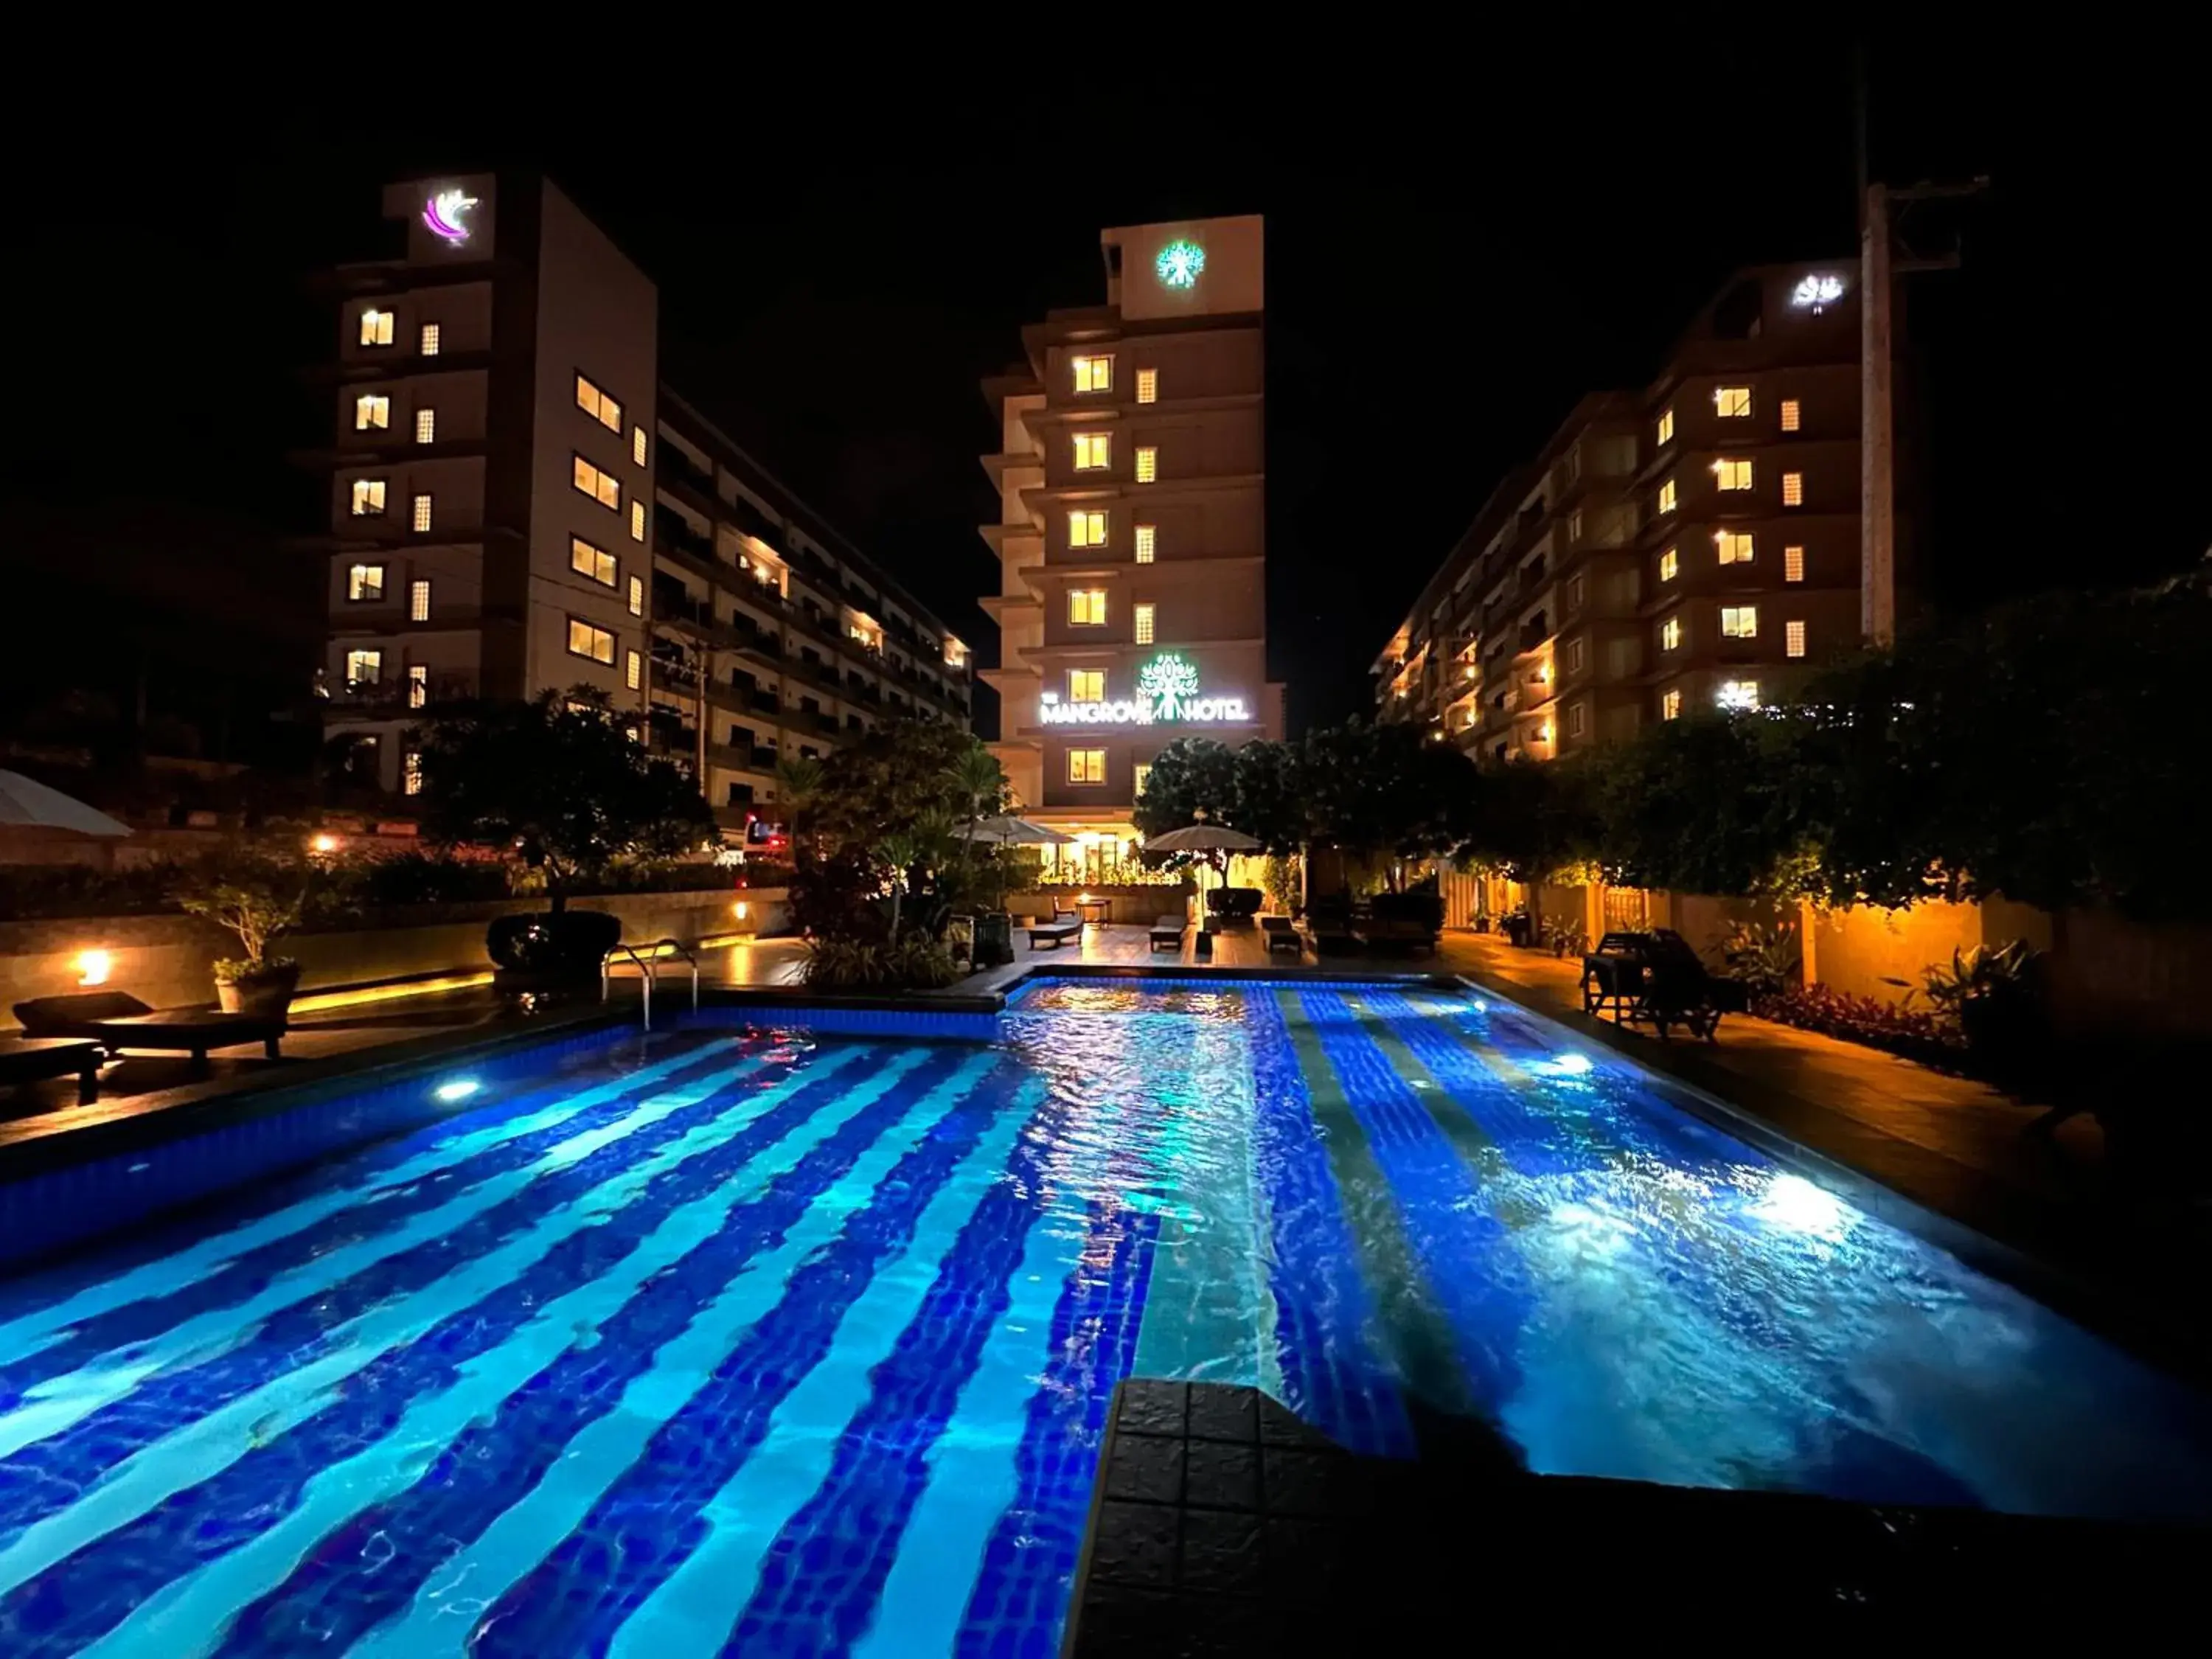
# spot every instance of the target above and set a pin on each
(460, 1089)
(1568, 1064)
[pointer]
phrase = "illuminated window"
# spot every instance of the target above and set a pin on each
(419, 518)
(1793, 564)
(372, 412)
(1670, 565)
(1737, 693)
(1086, 685)
(418, 599)
(1094, 374)
(601, 487)
(1732, 547)
(1139, 775)
(1147, 543)
(418, 685)
(364, 667)
(1732, 402)
(1792, 415)
(638, 521)
(410, 772)
(637, 449)
(1793, 639)
(1577, 718)
(637, 595)
(375, 327)
(633, 670)
(1148, 386)
(1575, 593)
(1575, 528)
(586, 560)
(1575, 654)
(428, 339)
(1739, 621)
(1086, 529)
(1148, 463)
(1086, 606)
(365, 583)
(367, 496)
(1732, 475)
(586, 640)
(1670, 634)
(596, 404)
(1666, 427)
(1086, 766)
(1793, 488)
(1667, 496)
(1670, 705)
(1144, 625)
(1093, 451)
(426, 425)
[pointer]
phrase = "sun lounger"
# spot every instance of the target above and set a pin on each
(1281, 935)
(117, 1021)
(33, 1059)
(1064, 926)
(1167, 932)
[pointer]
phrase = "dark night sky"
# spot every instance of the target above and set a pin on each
(1452, 261)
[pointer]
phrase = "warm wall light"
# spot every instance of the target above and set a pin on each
(93, 967)
(325, 844)
(742, 908)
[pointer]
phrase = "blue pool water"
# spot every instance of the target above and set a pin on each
(724, 1341)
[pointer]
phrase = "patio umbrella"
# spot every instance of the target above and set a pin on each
(1202, 838)
(1012, 832)
(28, 806)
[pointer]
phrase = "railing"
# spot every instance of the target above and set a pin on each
(647, 972)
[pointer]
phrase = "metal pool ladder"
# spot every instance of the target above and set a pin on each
(648, 973)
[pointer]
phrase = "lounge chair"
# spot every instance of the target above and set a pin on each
(1282, 935)
(117, 1020)
(33, 1059)
(1167, 932)
(1064, 926)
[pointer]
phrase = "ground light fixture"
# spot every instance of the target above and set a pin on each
(324, 843)
(93, 967)
(459, 1088)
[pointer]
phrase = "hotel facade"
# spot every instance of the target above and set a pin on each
(1691, 546)
(519, 503)
(1131, 531)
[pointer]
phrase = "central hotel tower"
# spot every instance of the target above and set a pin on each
(1132, 529)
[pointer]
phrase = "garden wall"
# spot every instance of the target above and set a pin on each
(166, 961)
(1137, 906)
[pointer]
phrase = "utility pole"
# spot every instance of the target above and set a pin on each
(1881, 264)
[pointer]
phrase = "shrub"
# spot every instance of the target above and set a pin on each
(1898, 1028)
(912, 963)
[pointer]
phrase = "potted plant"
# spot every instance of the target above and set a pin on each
(257, 904)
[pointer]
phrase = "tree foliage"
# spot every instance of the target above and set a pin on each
(560, 780)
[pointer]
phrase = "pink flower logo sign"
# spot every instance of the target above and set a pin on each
(443, 215)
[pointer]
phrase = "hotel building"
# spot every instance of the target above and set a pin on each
(518, 504)
(1132, 528)
(1695, 544)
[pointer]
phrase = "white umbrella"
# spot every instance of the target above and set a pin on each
(1202, 838)
(1012, 832)
(27, 804)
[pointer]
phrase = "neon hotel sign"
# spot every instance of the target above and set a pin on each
(1167, 694)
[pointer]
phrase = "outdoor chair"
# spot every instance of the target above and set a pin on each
(33, 1059)
(1167, 932)
(1064, 926)
(118, 1021)
(1281, 934)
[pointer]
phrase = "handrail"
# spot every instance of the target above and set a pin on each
(647, 973)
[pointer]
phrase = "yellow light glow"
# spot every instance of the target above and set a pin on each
(325, 843)
(1543, 673)
(93, 967)
(413, 988)
(742, 909)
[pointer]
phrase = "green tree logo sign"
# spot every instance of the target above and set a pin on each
(1168, 683)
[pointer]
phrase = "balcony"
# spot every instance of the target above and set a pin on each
(394, 698)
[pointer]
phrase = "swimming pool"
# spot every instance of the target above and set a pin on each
(729, 1341)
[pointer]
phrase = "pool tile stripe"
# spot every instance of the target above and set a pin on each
(322, 1255)
(593, 1584)
(693, 1609)
(222, 1479)
(518, 1128)
(1326, 1330)
(465, 1582)
(515, 1435)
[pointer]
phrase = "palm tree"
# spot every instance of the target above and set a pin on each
(798, 783)
(978, 786)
